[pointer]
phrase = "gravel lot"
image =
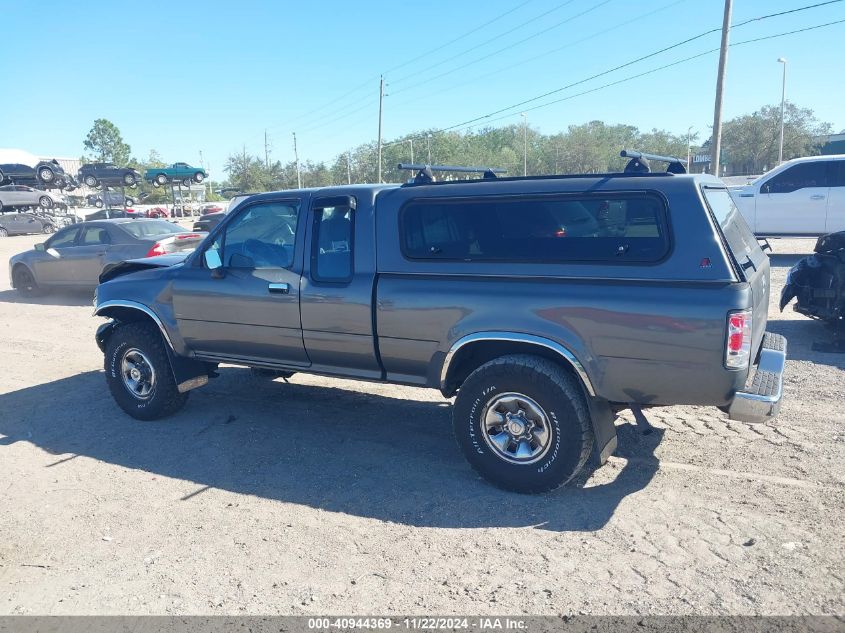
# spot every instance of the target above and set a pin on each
(329, 496)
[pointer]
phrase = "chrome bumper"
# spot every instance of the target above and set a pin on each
(761, 399)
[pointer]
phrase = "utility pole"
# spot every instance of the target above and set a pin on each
(380, 110)
(296, 158)
(524, 144)
(428, 138)
(689, 148)
(782, 60)
(411, 141)
(349, 167)
(266, 149)
(716, 146)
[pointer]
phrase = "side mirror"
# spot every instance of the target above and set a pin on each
(39, 247)
(213, 262)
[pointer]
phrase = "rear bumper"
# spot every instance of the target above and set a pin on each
(760, 401)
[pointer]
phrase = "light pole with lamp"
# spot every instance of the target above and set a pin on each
(782, 60)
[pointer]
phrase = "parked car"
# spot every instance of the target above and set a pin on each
(212, 207)
(803, 197)
(111, 213)
(211, 219)
(177, 172)
(95, 174)
(547, 304)
(109, 199)
(44, 172)
(818, 281)
(78, 255)
(158, 212)
(16, 196)
(24, 223)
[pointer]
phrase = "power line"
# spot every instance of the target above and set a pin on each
(485, 42)
(505, 48)
(547, 53)
(643, 74)
(457, 39)
(624, 65)
(368, 82)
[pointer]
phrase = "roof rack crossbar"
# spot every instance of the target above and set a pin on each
(425, 173)
(639, 162)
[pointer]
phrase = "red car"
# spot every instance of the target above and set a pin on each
(158, 212)
(210, 208)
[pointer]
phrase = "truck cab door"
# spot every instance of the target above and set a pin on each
(794, 201)
(338, 283)
(246, 309)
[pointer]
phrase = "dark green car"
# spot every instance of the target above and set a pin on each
(175, 173)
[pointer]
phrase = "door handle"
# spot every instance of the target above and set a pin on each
(278, 289)
(817, 196)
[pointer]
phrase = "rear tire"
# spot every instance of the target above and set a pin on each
(46, 202)
(99, 204)
(3, 232)
(160, 180)
(129, 180)
(90, 181)
(198, 177)
(138, 373)
(523, 423)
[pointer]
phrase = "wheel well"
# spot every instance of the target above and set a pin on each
(473, 355)
(127, 315)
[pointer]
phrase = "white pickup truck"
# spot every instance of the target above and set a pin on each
(801, 197)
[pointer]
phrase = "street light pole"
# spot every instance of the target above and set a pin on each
(689, 147)
(524, 144)
(411, 141)
(782, 60)
(428, 139)
(349, 167)
(296, 158)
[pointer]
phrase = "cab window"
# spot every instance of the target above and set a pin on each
(262, 236)
(801, 176)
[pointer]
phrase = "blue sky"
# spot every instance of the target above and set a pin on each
(183, 77)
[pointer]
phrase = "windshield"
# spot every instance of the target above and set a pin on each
(151, 228)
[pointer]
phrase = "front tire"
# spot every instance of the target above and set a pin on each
(523, 424)
(99, 204)
(129, 180)
(160, 180)
(138, 373)
(46, 202)
(25, 282)
(90, 181)
(3, 232)
(45, 174)
(47, 229)
(198, 177)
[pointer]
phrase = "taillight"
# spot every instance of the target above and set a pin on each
(188, 236)
(738, 345)
(157, 249)
(561, 232)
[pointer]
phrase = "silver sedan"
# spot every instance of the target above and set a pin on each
(77, 255)
(12, 196)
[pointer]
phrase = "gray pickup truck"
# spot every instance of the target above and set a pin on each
(547, 304)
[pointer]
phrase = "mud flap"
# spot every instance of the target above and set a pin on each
(604, 431)
(188, 372)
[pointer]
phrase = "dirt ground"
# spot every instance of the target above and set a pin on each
(329, 496)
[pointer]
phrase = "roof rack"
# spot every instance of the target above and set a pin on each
(639, 162)
(425, 173)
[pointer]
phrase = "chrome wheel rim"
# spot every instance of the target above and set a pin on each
(46, 175)
(138, 374)
(516, 428)
(90, 181)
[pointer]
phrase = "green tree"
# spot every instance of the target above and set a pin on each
(106, 143)
(750, 142)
